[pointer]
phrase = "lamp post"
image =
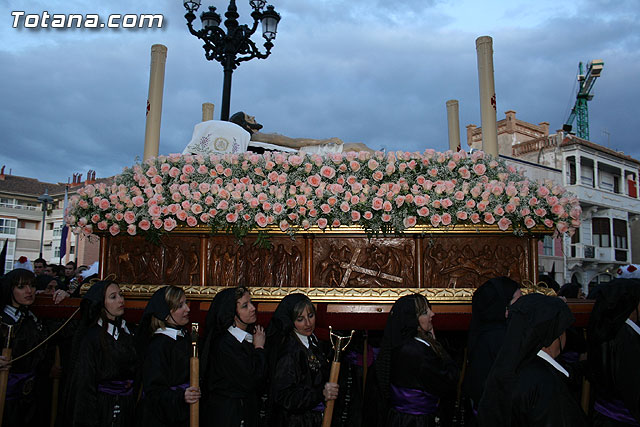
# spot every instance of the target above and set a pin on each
(45, 199)
(234, 46)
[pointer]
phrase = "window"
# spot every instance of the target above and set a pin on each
(601, 232)
(571, 171)
(620, 234)
(8, 226)
(11, 250)
(620, 239)
(586, 172)
(547, 246)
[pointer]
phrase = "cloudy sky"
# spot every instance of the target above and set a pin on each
(378, 72)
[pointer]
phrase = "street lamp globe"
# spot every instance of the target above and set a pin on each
(270, 19)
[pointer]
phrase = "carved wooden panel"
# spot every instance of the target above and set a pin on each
(358, 262)
(451, 262)
(176, 261)
(469, 261)
(231, 264)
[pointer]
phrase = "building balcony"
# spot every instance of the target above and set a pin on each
(596, 254)
(607, 199)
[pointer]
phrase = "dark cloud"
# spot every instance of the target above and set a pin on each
(376, 72)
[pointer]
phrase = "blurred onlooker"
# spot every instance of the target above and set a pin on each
(69, 272)
(39, 266)
(23, 262)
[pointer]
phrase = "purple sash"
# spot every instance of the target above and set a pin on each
(355, 358)
(116, 388)
(19, 385)
(570, 356)
(412, 401)
(319, 407)
(615, 409)
(182, 387)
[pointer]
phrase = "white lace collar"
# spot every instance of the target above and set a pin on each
(113, 331)
(16, 314)
(422, 341)
(239, 334)
(546, 357)
(633, 326)
(303, 339)
(170, 332)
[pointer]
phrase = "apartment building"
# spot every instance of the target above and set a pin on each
(605, 181)
(22, 228)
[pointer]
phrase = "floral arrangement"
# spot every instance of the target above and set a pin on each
(381, 192)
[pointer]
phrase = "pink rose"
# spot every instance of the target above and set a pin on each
(104, 204)
(423, 211)
(386, 218)
(174, 172)
(344, 207)
(322, 223)
(488, 218)
(119, 216)
(543, 191)
(409, 221)
(504, 223)
(459, 195)
(231, 217)
(510, 208)
(129, 217)
(446, 218)
(475, 218)
(464, 173)
(548, 223)
(377, 203)
(102, 225)
(261, 219)
(181, 215)
(355, 216)
(387, 206)
(157, 223)
(562, 227)
(529, 222)
(479, 169)
(368, 215)
(327, 172)
(144, 224)
(95, 218)
(557, 209)
(372, 164)
(378, 175)
(114, 229)
(499, 211)
(131, 229)
(192, 221)
(540, 212)
(170, 224)
(138, 201)
(325, 208)
(420, 200)
(435, 220)
(470, 204)
(461, 215)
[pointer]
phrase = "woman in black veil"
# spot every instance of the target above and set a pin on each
(233, 361)
(413, 370)
(26, 401)
(526, 386)
(490, 306)
(166, 347)
(103, 362)
(299, 369)
(614, 351)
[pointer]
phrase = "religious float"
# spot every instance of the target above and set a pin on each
(353, 231)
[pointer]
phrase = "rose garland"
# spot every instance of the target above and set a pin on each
(381, 192)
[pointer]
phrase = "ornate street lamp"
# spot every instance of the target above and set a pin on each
(234, 46)
(45, 199)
